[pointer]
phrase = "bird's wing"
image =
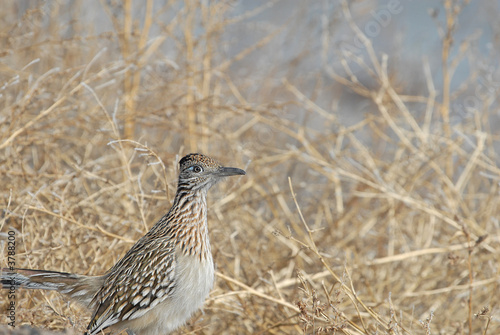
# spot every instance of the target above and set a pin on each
(142, 279)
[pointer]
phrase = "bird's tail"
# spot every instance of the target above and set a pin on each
(77, 287)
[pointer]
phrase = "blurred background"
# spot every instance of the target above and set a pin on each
(368, 130)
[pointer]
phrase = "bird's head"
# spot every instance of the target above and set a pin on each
(200, 172)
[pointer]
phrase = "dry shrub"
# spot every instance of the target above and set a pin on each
(383, 222)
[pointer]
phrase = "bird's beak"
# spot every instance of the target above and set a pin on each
(230, 171)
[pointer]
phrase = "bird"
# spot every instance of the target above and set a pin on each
(163, 279)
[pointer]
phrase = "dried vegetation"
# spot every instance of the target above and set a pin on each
(386, 223)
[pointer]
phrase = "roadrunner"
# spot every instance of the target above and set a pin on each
(163, 279)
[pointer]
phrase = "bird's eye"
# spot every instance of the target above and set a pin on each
(196, 168)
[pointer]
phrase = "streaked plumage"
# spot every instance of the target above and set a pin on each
(163, 278)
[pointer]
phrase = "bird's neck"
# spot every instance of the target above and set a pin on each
(186, 223)
(190, 208)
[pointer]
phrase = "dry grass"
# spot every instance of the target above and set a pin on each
(384, 225)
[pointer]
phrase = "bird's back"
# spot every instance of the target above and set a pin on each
(194, 280)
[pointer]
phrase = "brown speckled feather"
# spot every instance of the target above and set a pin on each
(142, 279)
(163, 279)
